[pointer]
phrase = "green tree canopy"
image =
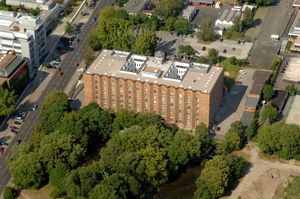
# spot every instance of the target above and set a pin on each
(7, 102)
(69, 28)
(268, 114)
(268, 92)
(248, 16)
(145, 42)
(10, 193)
(169, 8)
(89, 56)
(280, 139)
(213, 56)
(206, 32)
(182, 26)
(185, 50)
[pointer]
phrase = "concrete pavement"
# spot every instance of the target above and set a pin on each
(56, 83)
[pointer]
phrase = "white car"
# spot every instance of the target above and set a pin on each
(80, 69)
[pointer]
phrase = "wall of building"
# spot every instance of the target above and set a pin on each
(185, 108)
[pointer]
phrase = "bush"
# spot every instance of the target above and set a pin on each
(275, 68)
(288, 46)
(10, 193)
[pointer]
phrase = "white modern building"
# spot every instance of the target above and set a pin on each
(34, 4)
(26, 35)
(226, 20)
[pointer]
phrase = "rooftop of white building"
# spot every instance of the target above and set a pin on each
(186, 75)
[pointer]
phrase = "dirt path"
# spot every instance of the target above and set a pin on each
(265, 178)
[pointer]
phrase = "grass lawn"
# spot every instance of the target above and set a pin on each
(232, 70)
(288, 46)
(42, 193)
(292, 191)
(259, 17)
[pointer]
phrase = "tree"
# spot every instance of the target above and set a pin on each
(150, 119)
(213, 179)
(291, 89)
(89, 56)
(69, 28)
(121, 2)
(280, 139)
(123, 119)
(169, 23)
(56, 178)
(206, 140)
(169, 8)
(183, 148)
(251, 130)
(268, 92)
(145, 42)
(10, 193)
(268, 114)
(213, 56)
(115, 186)
(61, 148)
(27, 171)
(206, 32)
(185, 50)
(93, 41)
(182, 26)
(248, 16)
(53, 109)
(7, 102)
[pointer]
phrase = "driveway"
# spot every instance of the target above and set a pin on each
(232, 106)
(275, 23)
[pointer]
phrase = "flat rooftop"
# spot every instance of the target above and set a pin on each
(295, 29)
(15, 22)
(9, 63)
(293, 116)
(193, 76)
(292, 70)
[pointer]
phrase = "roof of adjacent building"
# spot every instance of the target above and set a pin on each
(247, 118)
(204, 1)
(229, 15)
(279, 99)
(293, 116)
(15, 22)
(296, 3)
(292, 70)
(294, 31)
(9, 63)
(135, 6)
(252, 102)
(260, 78)
(186, 75)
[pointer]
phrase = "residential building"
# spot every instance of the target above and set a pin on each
(295, 29)
(13, 72)
(25, 35)
(134, 7)
(32, 4)
(189, 12)
(226, 20)
(279, 100)
(51, 17)
(184, 93)
(201, 2)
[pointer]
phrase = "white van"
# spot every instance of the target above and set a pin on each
(275, 37)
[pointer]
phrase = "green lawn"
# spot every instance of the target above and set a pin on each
(288, 46)
(292, 191)
(259, 17)
(232, 70)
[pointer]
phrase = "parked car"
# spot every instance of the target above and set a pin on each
(18, 122)
(14, 128)
(19, 141)
(3, 143)
(34, 107)
(85, 14)
(19, 118)
(95, 19)
(2, 149)
(14, 131)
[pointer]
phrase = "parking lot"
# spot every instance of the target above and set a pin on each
(232, 106)
(227, 48)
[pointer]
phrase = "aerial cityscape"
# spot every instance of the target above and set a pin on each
(162, 99)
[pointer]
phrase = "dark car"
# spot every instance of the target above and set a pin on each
(18, 122)
(203, 48)
(34, 107)
(86, 14)
(95, 19)
(19, 141)
(14, 128)
(14, 131)
(2, 149)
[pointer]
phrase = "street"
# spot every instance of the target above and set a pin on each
(56, 83)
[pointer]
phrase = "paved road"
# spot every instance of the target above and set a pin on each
(276, 22)
(56, 83)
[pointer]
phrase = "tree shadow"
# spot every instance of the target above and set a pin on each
(256, 23)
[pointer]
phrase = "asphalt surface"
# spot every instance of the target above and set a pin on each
(275, 23)
(56, 83)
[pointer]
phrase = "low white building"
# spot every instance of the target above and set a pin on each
(226, 20)
(26, 35)
(41, 4)
(189, 12)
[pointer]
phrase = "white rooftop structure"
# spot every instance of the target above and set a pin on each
(33, 4)
(187, 75)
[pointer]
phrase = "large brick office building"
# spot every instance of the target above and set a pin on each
(185, 94)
